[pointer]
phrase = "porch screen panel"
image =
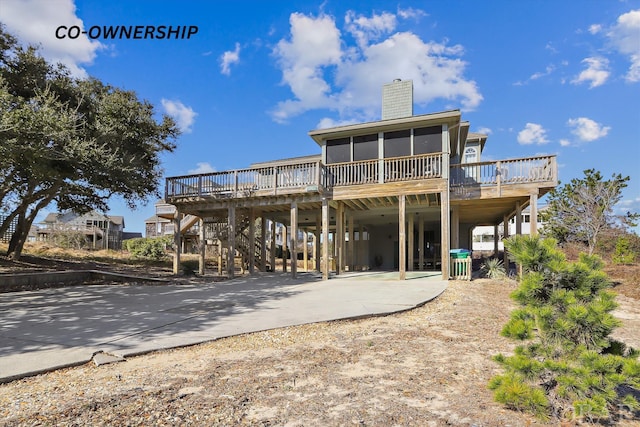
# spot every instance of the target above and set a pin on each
(427, 140)
(338, 150)
(397, 144)
(365, 147)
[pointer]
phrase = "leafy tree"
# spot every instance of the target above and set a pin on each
(75, 142)
(583, 209)
(568, 366)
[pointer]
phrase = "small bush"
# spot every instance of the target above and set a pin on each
(623, 253)
(147, 248)
(493, 268)
(69, 240)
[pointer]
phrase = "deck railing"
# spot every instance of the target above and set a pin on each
(244, 182)
(314, 176)
(393, 170)
(501, 172)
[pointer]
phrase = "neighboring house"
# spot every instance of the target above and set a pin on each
(488, 240)
(394, 194)
(101, 231)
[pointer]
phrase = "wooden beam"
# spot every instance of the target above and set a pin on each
(420, 242)
(339, 241)
(533, 213)
(455, 227)
(231, 249)
(202, 247)
(518, 219)
(402, 237)
(176, 241)
(410, 241)
(263, 242)
(252, 241)
(316, 241)
(272, 254)
(352, 243)
(284, 248)
(294, 239)
(505, 232)
(444, 231)
(325, 239)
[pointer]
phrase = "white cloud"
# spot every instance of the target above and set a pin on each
(328, 122)
(202, 167)
(183, 115)
(532, 133)
(411, 13)
(595, 28)
(35, 22)
(324, 72)
(625, 36)
(565, 142)
(546, 72)
(597, 72)
(484, 131)
(365, 29)
(228, 58)
(587, 130)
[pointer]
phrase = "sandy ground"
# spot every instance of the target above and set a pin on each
(425, 367)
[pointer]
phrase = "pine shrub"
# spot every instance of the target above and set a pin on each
(567, 366)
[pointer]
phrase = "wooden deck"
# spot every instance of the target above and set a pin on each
(421, 174)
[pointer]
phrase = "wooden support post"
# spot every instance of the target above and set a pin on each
(339, 240)
(455, 227)
(402, 249)
(518, 219)
(263, 243)
(410, 241)
(294, 239)
(361, 260)
(305, 249)
(444, 233)
(316, 242)
(176, 242)
(352, 244)
(202, 246)
(505, 257)
(420, 242)
(533, 213)
(231, 249)
(272, 254)
(220, 250)
(252, 241)
(325, 239)
(496, 240)
(284, 248)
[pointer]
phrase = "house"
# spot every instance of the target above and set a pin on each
(101, 231)
(484, 236)
(394, 194)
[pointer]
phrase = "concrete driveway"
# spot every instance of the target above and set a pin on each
(53, 328)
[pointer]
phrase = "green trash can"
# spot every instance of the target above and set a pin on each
(459, 254)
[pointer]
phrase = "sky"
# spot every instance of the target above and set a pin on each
(538, 77)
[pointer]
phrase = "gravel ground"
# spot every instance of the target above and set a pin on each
(424, 367)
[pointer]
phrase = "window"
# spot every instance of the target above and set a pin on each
(365, 147)
(397, 144)
(427, 140)
(338, 150)
(470, 155)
